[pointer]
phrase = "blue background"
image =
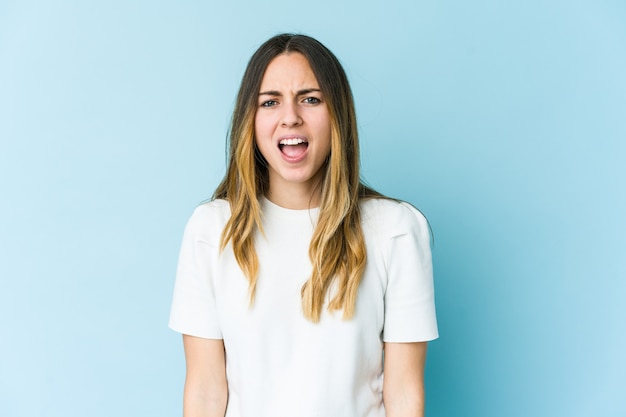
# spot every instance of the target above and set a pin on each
(504, 122)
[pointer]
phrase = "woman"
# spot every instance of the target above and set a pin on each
(296, 276)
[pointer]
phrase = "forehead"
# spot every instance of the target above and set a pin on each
(289, 70)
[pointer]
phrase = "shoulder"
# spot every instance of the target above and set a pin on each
(208, 220)
(213, 208)
(394, 217)
(211, 212)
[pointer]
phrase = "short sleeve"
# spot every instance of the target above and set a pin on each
(194, 309)
(409, 296)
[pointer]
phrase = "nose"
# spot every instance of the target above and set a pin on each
(290, 116)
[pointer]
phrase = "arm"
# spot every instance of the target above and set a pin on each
(206, 391)
(403, 383)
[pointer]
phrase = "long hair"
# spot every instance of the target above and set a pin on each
(337, 249)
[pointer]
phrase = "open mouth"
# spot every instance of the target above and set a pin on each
(293, 147)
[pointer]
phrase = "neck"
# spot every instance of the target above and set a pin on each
(295, 196)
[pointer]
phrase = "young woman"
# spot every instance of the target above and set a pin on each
(296, 277)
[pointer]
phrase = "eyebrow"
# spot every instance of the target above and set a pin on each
(299, 93)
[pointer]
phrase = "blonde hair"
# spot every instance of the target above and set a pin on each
(337, 249)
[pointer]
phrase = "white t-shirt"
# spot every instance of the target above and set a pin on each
(279, 364)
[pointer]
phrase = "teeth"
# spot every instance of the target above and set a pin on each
(294, 141)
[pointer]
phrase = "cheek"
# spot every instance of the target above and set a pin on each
(263, 126)
(262, 134)
(324, 128)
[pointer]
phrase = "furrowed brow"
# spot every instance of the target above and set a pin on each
(308, 91)
(299, 93)
(270, 93)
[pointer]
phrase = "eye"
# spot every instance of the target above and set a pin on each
(312, 100)
(269, 103)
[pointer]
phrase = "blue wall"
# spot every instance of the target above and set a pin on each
(505, 122)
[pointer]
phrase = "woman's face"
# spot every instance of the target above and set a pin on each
(292, 124)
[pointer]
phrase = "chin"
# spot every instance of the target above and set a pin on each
(298, 178)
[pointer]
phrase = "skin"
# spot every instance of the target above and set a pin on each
(206, 390)
(403, 383)
(292, 105)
